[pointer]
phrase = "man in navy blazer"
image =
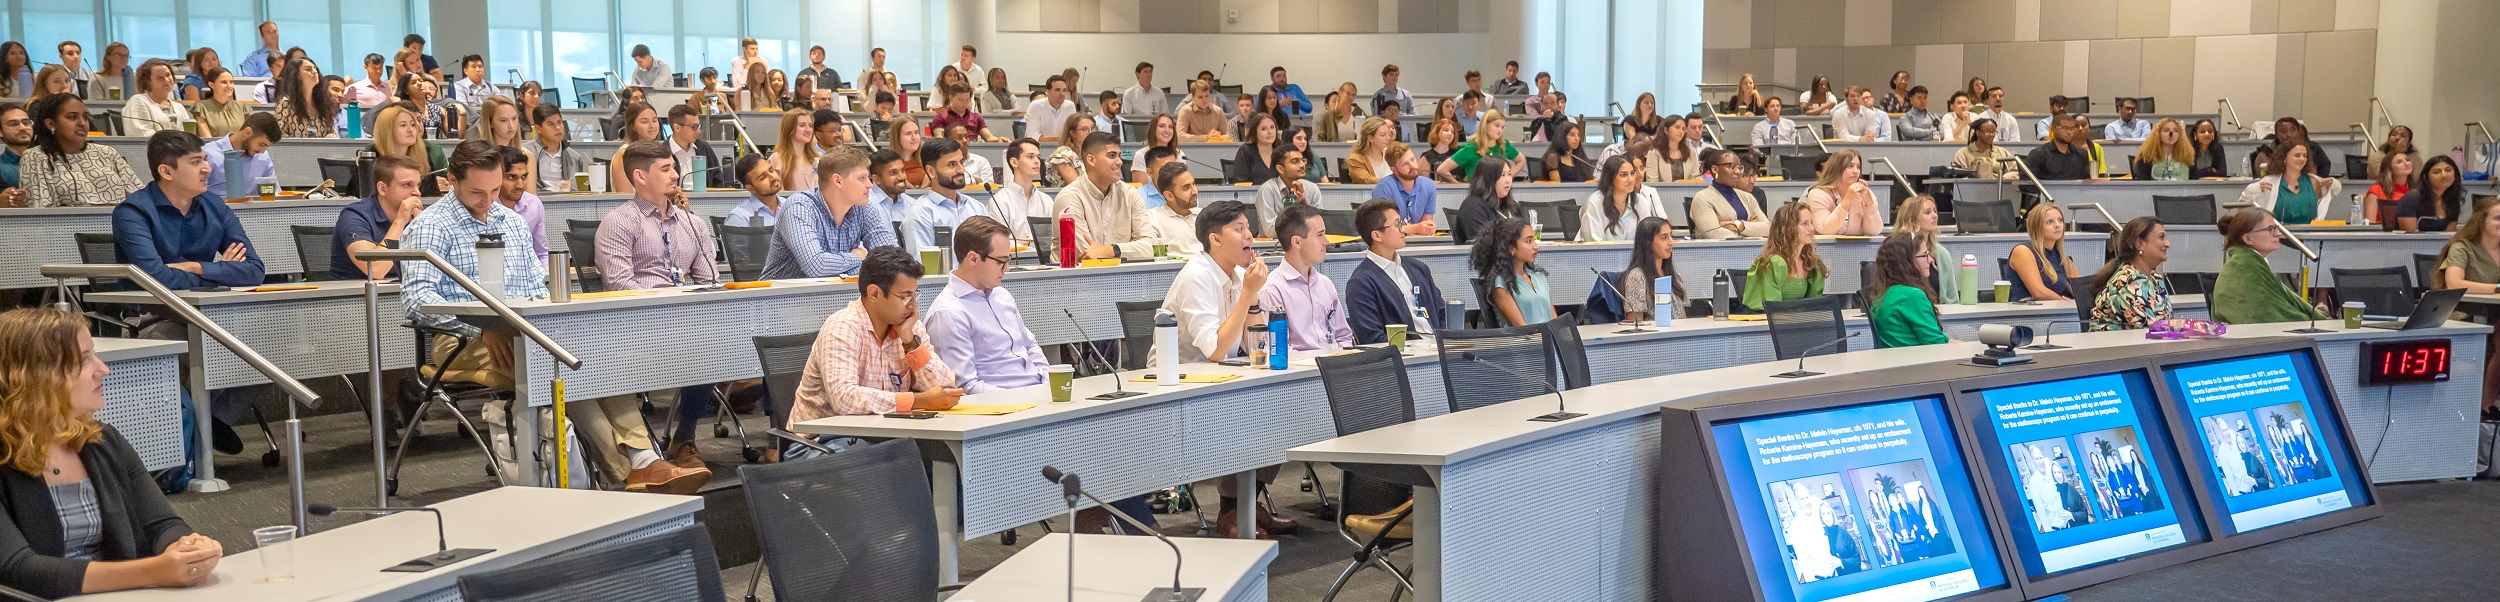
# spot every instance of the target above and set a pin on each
(1387, 289)
(175, 230)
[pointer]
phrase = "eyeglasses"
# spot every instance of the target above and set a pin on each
(996, 258)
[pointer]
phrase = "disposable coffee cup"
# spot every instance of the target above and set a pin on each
(2005, 291)
(2352, 314)
(1397, 335)
(1062, 383)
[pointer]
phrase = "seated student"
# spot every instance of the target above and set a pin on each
(1504, 255)
(1254, 161)
(2134, 292)
(1918, 213)
(2435, 200)
(177, 231)
(1619, 203)
(1564, 160)
(1982, 157)
(1288, 189)
(557, 159)
(1110, 218)
(1917, 124)
(2292, 189)
(2246, 290)
(1387, 289)
(515, 195)
(1860, 121)
(2128, 127)
(1020, 197)
(1175, 223)
(2210, 162)
(1487, 143)
(2047, 128)
(1788, 269)
(2042, 270)
(874, 356)
(1108, 119)
(1367, 160)
(1488, 200)
(1722, 211)
(259, 132)
(1774, 130)
(945, 205)
(398, 132)
(1200, 118)
(1840, 203)
(648, 242)
(1406, 187)
(1297, 289)
(89, 519)
(2066, 156)
(2394, 175)
(1903, 303)
(1653, 257)
(1211, 298)
(2467, 262)
(2166, 154)
(154, 108)
(827, 231)
(762, 180)
(887, 172)
(63, 169)
(974, 324)
(1145, 165)
(686, 143)
(378, 221)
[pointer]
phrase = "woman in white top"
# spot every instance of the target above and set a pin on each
(1018, 198)
(154, 108)
(1819, 100)
(1066, 163)
(1840, 202)
(1615, 210)
(1162, 131)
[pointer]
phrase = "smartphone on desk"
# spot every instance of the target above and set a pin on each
(912, 415)
(1236, 362)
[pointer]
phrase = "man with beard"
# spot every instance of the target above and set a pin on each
(945, 206)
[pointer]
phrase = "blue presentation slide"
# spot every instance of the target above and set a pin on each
(1865, 503)
(2273, 445)
(2082, 475)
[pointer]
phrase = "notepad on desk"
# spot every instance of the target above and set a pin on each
(974, 409)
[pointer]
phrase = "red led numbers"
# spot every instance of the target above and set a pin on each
(2395, 362)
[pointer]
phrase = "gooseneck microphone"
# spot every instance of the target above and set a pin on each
(1118, 391)
(1801, 372)
(1561, 413)
(444, 554)
(2050, 328)
(1070, 490)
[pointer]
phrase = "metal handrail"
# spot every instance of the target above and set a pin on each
(492, 300)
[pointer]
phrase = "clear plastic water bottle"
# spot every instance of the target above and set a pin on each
(2357, 216)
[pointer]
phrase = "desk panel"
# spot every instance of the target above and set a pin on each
(41, 236)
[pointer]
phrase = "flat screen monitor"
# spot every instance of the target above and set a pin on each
(2083, 469)
(2271, 442)
(1867, 502)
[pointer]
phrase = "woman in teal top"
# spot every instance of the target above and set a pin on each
(1505, 258)
(1787, 269)
(2246, 291)
(1904, 310)
(2292, 188)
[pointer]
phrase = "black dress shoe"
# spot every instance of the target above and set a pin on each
(223, 438)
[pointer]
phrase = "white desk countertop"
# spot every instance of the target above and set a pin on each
(1114, 568)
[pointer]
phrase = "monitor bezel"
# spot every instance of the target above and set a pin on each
(2200, 469)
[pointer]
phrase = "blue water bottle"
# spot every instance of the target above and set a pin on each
(355, 121)
(1276, 327)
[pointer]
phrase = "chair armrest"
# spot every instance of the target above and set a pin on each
(810, 442)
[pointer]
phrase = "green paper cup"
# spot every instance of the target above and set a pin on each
(2005, 291)
(1397, 335)
(1062, 383)
(2352, 314)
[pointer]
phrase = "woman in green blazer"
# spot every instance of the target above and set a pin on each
(2246, 292)
(1904, 308)
(1787, 269)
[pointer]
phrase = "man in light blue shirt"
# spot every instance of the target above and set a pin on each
(2128, 128)
(256, 64)
(259, 132)
(975, 324)
(472, 88)
(762, 179)
(885, 169)
(945, 206)
(1407, 186)
(1155, 159)
(2057, 113)
(451, 228)
(1289, 96)
(650, 71)
(1391, 94)
(828, 231)
(1470, 110)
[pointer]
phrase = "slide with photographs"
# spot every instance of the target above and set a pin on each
(2272, 448)
(1862, 503)
(2080, 472)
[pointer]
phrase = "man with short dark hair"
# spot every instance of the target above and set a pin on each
(831, 131)
(873, 356)
(1918, 125)
(2046, 128)
(651, 242)
(1537, 103)
(1556, 119)
(1774, 129)
(1175, 222)
(17, 135)
(1318, 320)
(650, 71)
(2064, 157)
(1288, 188)
(1143, 99)
(686, 143)
(2128, 127)
(816, 70)
(963, 64)
(376, 222)
(957, 111)
(1110, 218)
(176, 229)
(373, 90)
(1510, 84)
(452, 228)
(1019, 197)
(1475, 81)
(1859, 120)
(473, 89)
(1995, 99)
(1108, 120)
(1289, 95)
(886, 170)
(1149, 194)
(1047, 114)
(762, 179)
(1391, 94)
(516, 196)
(1387, 289)
(974, 323)
(416, 43)
(259, 132)
(945, 206)
(1211, 298)
(256, 64)
(1470, 111)
(827, 231)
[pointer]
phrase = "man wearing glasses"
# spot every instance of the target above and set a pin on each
(974, 324)
(1723, 210)
(2068, 156)
(1387, 289)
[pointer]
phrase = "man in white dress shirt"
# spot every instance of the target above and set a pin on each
(1144, 99)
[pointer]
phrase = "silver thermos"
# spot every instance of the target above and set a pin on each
(559, 276)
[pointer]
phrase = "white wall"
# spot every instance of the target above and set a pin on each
(1428, 63)
(2435, 67)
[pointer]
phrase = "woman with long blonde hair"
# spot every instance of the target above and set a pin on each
(2166, 155)
(795, 151)
(1788, 269)
(2042, 269)
(1487, 142)
(99, 522)
(499, 121)
(1367, 162)
(399, 130)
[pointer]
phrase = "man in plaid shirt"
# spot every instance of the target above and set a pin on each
(873, 357)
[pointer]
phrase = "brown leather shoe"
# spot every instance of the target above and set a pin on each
(1271, 523)
(664, 477)
(683, 453)
(1224, 527)
(1369, 525)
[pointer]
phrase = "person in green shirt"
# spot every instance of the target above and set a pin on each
(2246, 291)
(2468, 263)
(1919, 214)
(1487, 142)
(1904, 307)
(1787, 269)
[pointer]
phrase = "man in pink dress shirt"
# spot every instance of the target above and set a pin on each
(1314, 315)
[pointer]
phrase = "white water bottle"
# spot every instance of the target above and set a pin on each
(1167, 349)
(490, 253)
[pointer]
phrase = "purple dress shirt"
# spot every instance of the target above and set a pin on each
(641, 249)
(1314, 315)
(982, 338)
(534, 213)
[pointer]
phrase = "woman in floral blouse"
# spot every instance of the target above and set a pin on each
(305, 110)
(2134, 293)
(64, 169)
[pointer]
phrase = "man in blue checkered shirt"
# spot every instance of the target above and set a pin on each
(450, 228)
(826, 232)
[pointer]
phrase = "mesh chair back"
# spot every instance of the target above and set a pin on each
(784, 358)
(1485, 316)
(1803, 324)
(2194, 210)
(1045, 238)
(341, 173)
(2383, 291)
(582, 225)
(2357, 167)
(98, 247)
(1535, 169)
(1801, 167)
(584, 259)
(586, 84)
(312, 247)
(1367, 389)
(746, 246)
(1474, 384)
(2192, 283)
(2426, 272)
(2144, 104)
(1338, 221)
(2005, 271)
(1988, 216)
(676, 564)
(1564, 214)
(1736, 291)
(1562, 335)
(849, 526)
(2087, 293)
(1137, 332)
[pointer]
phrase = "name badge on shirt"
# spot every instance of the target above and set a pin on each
(895, 380)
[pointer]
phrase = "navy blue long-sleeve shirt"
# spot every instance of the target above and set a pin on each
(150, 234)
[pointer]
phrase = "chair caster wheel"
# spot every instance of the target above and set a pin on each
(490, 469)
(1007, 537)
(752, 455)
(391, 486)
(270, 458)
(720, 431)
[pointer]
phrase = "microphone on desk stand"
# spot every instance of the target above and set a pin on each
(2048, 329)
(1071, 491)
(1118, 391)
(1801, 372)
(1623, 296)
(1561, 413)
(444, 556)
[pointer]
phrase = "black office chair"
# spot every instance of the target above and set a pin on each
(676, 564)
(433, 386)
(1137, 331)
(1802, 324)
(1736, 291)
(2183, 211)
(1473, 384)
(849, 526)
(1228, 90)
(1564, 214)
(2357, 167)
(1225, 166)
(1045, 239)
(2087, 293)
(589, 226)
(1367, 389)
(1988, 216)
(1801, 167)
(2192, 283)
(1534, 169)
(1483, 316)
(746, 247)
(784, 359)
(1866, 286)
(312, 248)
(109, 122)
(98, 247)
(2005, 272)
(582, 85)
(1258, 223)
(2382, 291)
(341, 173)
(583, 259)
(2144, 104)
(1338, 221)
(2426, 272)
(1562, 334)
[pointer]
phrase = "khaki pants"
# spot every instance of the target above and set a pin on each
(610, 426)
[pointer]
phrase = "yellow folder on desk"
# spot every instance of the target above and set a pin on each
(974, 409)
(1748, 317)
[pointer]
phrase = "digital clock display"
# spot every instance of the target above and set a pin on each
(2394, 362)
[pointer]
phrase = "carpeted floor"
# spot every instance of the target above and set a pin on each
(2437, 542)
